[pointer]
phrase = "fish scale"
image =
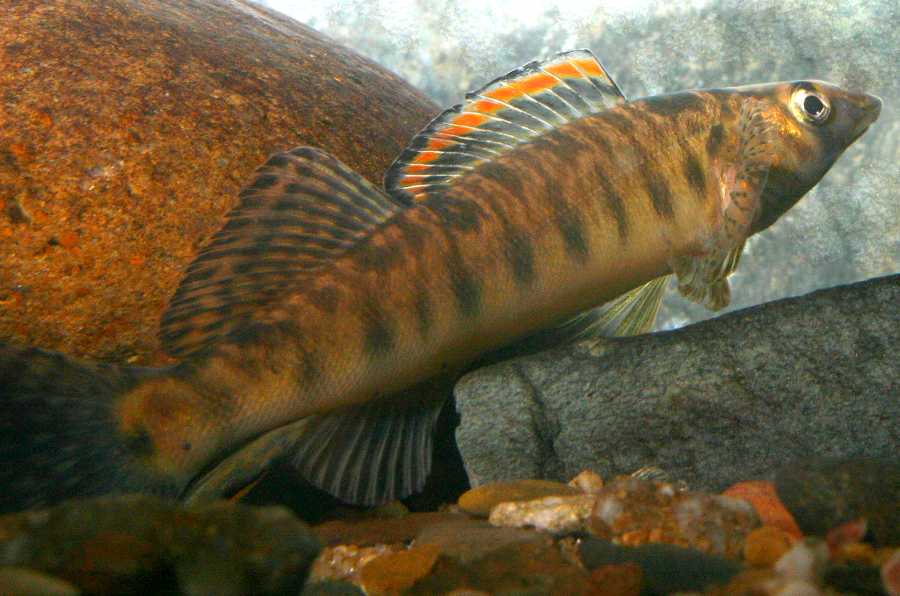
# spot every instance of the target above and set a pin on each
(328, 319)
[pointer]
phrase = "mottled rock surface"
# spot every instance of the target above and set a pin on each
(715, 403)
(138, 545)
(126, 130)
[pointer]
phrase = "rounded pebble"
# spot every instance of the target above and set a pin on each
(772, 512)
(395, 572)
(588, 482)
(479, 501)
(766, 545)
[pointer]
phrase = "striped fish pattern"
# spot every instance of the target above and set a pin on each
(319, 321)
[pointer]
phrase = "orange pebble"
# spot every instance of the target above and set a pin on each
(767, 544)
(772, 512)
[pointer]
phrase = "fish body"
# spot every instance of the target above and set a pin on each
(325, 303)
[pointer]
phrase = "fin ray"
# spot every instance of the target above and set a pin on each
(302, 209)
(704, 279)
(375, 452)
(503, 114)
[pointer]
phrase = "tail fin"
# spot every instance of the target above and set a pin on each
(58, 437)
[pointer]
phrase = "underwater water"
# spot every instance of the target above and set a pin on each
(847, 229)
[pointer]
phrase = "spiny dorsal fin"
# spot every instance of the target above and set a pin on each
(302, 209)
(505, 113)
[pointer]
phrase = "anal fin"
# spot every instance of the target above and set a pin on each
(373, 453)
(365, 454)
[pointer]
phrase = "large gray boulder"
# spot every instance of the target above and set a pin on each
(725, 400)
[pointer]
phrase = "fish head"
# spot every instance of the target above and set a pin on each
(813, 123)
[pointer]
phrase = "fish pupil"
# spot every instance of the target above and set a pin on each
(813, 106)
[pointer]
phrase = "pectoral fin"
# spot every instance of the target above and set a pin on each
(702, 278)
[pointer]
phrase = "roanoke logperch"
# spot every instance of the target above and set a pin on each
(544, 208)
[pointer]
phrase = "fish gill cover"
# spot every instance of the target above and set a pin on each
(847, 229)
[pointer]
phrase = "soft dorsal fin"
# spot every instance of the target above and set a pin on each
(505, 113)
(303, 208)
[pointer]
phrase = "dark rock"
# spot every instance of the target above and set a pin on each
(331, 589)
(666, 569)
(470, 540)
(138, 545)
(823, 494)
(126, 130)
(861, 580)
(369, 532)
(522, 568)
(714, 403)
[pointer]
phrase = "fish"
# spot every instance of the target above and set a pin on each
(317, 323)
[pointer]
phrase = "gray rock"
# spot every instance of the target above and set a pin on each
(714, 403)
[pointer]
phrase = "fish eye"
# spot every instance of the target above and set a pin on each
(812, 106)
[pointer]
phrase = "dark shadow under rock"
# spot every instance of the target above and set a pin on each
(823, 494)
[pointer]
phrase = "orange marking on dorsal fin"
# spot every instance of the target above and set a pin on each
(590, 67)
(472, 119)
(414, 168)
(426, 156)
(505, 113)
(563, 69)
(487, 106)
(454, 131)
(504, 93)
(435, 144)
(536, 83)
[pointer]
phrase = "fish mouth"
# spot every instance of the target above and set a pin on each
(868, 108)
(853, 139)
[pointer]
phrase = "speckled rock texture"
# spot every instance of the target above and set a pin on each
(730, 399)
(127, 128)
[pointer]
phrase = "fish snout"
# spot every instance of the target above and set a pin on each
(864, 111)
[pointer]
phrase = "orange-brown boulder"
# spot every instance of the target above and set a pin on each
(127, 128)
